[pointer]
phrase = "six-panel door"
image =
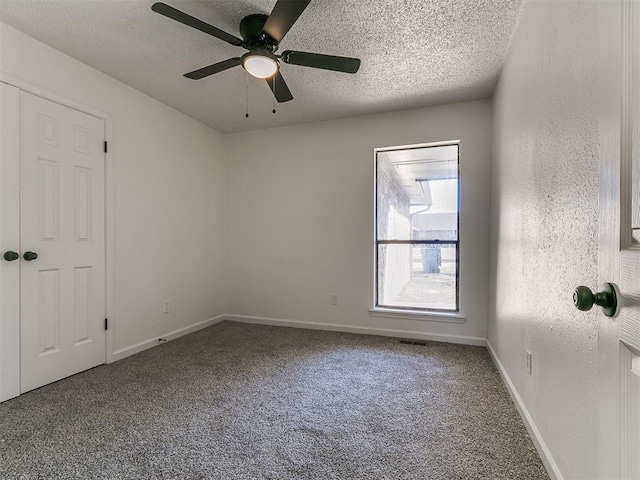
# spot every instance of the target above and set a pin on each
(62, 221)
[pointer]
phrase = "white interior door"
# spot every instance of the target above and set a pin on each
(619, 255)
(62, 221)
(9, 242)
(630, 242)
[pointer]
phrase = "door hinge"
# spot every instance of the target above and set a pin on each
(105, 146)
(106, 324)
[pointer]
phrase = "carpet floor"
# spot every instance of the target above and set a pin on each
(240, 401)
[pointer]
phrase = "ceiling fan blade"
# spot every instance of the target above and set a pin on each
(178, 16)
(317, 60)
(283, 16)
(279, 88)
(211, 69)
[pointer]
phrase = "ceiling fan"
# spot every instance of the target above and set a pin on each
(261, 35)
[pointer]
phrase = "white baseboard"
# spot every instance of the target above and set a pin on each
(138, 347)
(385, 332)
(534, 433)
(152, 342)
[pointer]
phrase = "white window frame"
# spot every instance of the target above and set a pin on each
(433, 314)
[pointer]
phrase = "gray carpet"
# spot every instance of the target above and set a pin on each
(238, 401)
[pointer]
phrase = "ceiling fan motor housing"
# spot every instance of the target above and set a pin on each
(251, 32)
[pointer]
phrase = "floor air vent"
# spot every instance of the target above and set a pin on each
(408, 341)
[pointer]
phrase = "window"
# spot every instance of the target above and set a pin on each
(417, 220)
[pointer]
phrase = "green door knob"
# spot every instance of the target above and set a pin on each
(584, 299)
(11, 256)
(30, 256)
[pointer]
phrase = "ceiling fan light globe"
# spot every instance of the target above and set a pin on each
(260, 66)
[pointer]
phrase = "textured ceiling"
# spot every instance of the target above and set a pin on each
(414, 53)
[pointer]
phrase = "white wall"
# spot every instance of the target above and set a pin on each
(300, 217)
(168, 194)
(545, 226)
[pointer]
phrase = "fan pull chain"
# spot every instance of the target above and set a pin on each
(246, 95)
(274, 93)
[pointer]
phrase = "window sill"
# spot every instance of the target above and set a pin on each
(447, 317)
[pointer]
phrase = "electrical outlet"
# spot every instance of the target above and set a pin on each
(334, 299)
(529, 362)
(166, 306)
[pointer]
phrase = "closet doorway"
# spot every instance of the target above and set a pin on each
(53, 276)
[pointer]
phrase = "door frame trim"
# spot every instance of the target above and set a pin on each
(52, 96)
(626, 125)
